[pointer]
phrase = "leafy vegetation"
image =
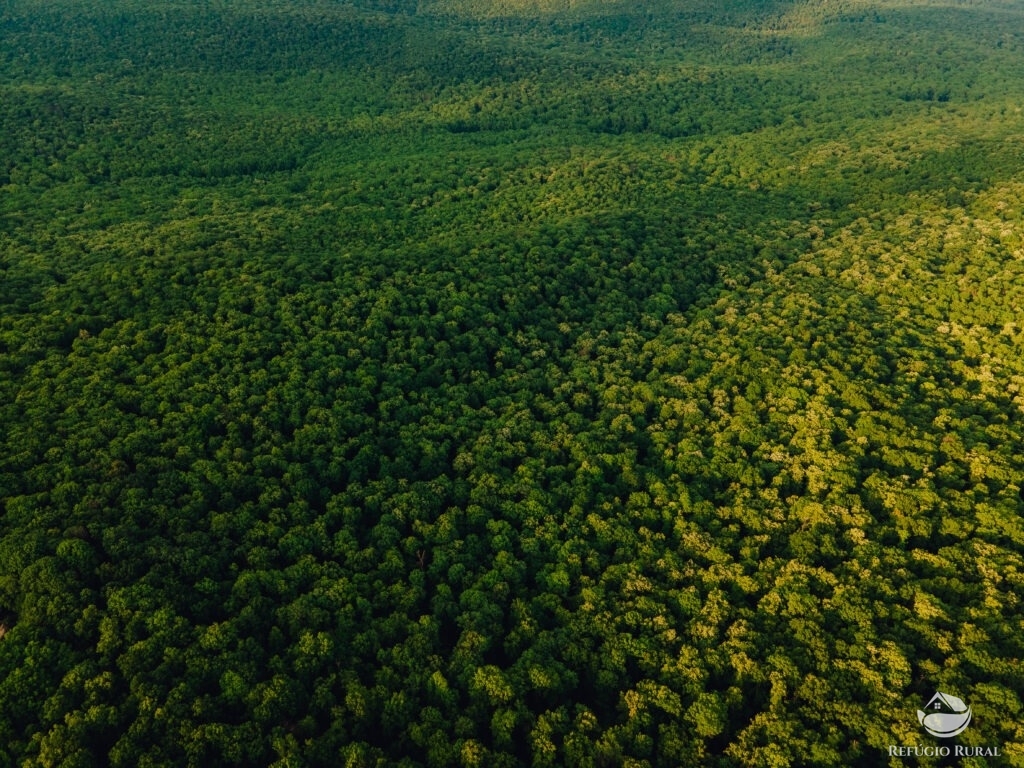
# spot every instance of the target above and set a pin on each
(508, 383)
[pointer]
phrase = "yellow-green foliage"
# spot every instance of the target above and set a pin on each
(477, 383)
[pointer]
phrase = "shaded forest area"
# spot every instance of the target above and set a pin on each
(509, 383)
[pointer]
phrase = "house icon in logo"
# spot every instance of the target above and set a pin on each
(945, 716)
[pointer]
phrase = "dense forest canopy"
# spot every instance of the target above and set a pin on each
(509, 382)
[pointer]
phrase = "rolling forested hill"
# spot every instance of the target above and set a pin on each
(509, 382)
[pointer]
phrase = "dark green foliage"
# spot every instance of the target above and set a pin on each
(454, 383)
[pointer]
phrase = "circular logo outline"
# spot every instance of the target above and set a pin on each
(951, 721)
